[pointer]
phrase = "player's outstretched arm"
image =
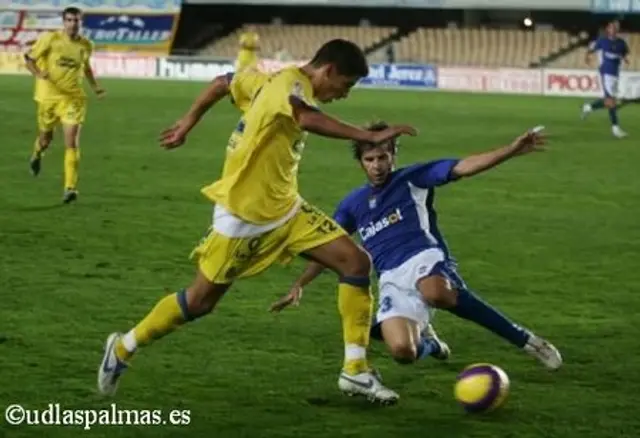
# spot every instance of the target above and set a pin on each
(312, 120)
(91, 78)
(530, 141)
(295, 293)
(176, 135)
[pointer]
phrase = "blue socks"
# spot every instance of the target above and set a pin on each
(427, 347)
(613, 116)
(472, 308)
(613, 112)
(597, 104)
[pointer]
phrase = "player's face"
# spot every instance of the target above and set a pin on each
(72, 24)
(613, 28)
(378, 164)
(334, 86)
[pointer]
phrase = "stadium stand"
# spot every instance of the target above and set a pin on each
(575, 58)
(301, 41)
(482, 47)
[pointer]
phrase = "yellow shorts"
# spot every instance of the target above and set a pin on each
(66, 111)
(223, 259)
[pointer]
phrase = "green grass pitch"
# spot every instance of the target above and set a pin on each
(552, 239)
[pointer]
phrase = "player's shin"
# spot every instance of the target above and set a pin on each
(167, 315)
(355, 304)
(71, 161)
(472, 308)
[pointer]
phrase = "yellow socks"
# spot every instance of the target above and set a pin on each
(164, 318)
(37, 149)
(71, 160)
(355, 304)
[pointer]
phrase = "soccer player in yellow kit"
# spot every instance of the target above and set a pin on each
(59, 60)
(259, 217)
(249, 47)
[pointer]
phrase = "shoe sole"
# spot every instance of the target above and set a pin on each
(371, 398)
(110, 340)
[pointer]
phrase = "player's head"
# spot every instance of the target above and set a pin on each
(337, 66)
(612, 28)
(72, 19)
(377, 160)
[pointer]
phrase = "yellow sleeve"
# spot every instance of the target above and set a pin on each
(87, 56)
(285, 87)
(245, 84)
(41, 47)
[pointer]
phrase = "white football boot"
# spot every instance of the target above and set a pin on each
(544, 351)
(430, 333)
(367, 385)
(111, 368)
(586, 110)
(618, 132)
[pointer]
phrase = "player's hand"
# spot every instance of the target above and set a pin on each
(175, 136)
(392, 132)
(292, 298)
(531, 141)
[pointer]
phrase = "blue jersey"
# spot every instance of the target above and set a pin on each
(611, 52)
(397, 220)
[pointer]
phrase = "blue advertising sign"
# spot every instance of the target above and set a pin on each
(96, 5)
(130, 33)
(616, 6)
(402, 75)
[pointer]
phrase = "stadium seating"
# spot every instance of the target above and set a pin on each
(481, 47)
(301, 41)
(575, 59)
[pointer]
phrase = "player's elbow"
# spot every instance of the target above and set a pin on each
(308, 118)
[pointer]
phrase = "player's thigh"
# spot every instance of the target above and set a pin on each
(222, 259)
(396, 301)
(401, 335)
(72, 113)
(47, 117)
(315, 235)
(610, 86)
(437, 290)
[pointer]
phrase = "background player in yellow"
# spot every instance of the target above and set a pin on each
(59, 60)
(249, 48)
(259, 217)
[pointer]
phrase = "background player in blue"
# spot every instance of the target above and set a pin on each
(611, 50)
(395, 218)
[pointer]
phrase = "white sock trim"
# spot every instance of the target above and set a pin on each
(129, 341)
(354, 352)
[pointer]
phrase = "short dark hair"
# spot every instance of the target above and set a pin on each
(71, 10)
(360, 147)
(346, 56)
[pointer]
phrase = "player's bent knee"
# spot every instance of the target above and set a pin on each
(203, 296)
(609, 102)
(357, 264)
(403, 353)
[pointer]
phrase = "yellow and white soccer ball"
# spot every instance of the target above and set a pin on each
(481, 387)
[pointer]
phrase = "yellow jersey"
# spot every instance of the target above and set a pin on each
(65, 60)
(244, 85)
(247, 55)
(259, 182)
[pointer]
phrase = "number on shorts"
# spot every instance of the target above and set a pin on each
(385, 304)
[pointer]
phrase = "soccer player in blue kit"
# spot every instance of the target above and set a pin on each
(395, 218)
(611, 50)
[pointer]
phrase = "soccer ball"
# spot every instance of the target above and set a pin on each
(481, 387)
